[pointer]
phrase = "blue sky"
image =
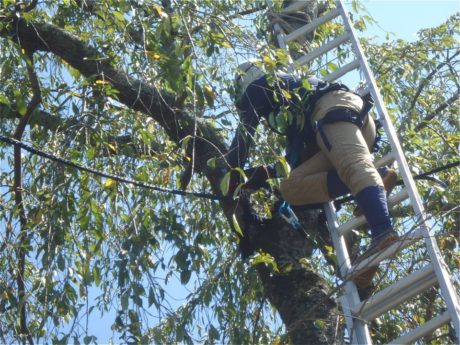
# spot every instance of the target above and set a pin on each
(401, 17)
(405, 17)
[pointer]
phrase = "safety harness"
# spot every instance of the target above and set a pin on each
(344, 115)
(297, 137)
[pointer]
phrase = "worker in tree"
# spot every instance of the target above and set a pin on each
(334, 122)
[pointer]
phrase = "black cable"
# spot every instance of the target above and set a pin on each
(54, 158)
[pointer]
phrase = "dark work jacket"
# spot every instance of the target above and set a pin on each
(259, 101)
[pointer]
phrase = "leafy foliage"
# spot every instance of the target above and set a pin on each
(164, 268)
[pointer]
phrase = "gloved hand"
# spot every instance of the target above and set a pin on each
(234, 181)
(257, 177)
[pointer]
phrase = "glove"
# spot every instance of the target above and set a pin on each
(234, 182)
(257, 177)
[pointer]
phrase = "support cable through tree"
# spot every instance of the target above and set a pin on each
(33, 150)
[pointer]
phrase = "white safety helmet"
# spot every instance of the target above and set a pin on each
(247, 72)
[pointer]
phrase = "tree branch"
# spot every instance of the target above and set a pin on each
(135, 94)
(438, 110)
(19, 200)
(423, 84)
(55, 123)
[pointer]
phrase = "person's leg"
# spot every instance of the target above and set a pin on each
(350, 156)
(307, 184)
(315, 181)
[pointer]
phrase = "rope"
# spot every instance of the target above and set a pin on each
(117, 178)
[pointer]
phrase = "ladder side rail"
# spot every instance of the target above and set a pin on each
(445, 283)
(280, 37)
(280, 34)
(357, 328)
(381, 109)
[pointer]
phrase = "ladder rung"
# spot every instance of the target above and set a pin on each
(393, 295)
(396, 198)
(360, 220)
(296, 6)
(388, 159)
(374, 260)
(425, 329)
(341, 71)
(323, 49)
(312, 25)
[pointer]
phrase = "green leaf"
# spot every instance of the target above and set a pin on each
(21, 107)
(236, 226)
(225, 183)
(185, 276)
(151, 297)
(286, 94)
(119, 16)
(213, 333)
(185, 141)
(4, 99)
(286, 168)
(124, 301)
(209, 95)
(211, 162)
(97, 276)
(266, 259)
(61, 262)
(306, 84)
(269, 61)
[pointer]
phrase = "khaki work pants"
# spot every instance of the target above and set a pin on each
(349, 155)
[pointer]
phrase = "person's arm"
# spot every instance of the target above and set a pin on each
(256, 102)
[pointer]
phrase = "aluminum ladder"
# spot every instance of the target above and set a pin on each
(359, 313)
